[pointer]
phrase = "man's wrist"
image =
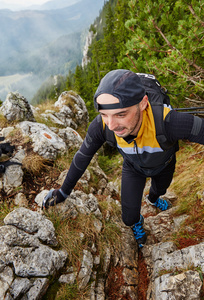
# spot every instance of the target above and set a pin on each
(63, 194)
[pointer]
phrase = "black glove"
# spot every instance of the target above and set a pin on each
(6, 148)
(53, 197)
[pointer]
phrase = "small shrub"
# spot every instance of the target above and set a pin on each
(34, 163)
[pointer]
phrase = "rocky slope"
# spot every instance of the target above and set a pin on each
(33, 254)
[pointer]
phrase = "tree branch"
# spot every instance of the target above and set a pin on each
(194, 14)
(131, 61)
(201, 86)
(173, 48)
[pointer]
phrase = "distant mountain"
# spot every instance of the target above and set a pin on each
(27, 30)
(54, 4)
(57, 4)
(45, 42)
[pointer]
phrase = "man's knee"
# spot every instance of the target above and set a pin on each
(130, 216)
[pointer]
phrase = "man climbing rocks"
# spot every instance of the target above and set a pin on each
(126, 119)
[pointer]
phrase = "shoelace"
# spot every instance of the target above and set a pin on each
(138, 230)
(162, 204)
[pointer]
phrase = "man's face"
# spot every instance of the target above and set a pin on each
(123, 121)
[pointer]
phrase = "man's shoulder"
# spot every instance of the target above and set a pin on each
(96, 129)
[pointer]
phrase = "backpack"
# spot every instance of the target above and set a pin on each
(157, 97)
(6, 148)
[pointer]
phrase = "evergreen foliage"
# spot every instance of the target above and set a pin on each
(164, 38)
(167, 40)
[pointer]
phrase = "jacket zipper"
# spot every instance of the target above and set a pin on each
(136, 150)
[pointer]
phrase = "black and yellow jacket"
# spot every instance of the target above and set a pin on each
(143, 151)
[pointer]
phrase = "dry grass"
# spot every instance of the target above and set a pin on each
(16, 137)
(34, 163)
(47, 105)
(3, 121)
(6, 208)
(72, 292)
(74, 235)
(189, 184)
(42, 108)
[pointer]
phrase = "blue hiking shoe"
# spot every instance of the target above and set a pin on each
(139, 233)
(160, 203)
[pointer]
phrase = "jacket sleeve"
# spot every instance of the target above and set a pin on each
(93, 141)
(184, 126)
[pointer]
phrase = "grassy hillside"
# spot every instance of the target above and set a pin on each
(188, 184)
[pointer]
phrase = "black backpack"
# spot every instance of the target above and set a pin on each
(6, 148)
(157, 97)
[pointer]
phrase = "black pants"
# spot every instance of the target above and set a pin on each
(132, 187)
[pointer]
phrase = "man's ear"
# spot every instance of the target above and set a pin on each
(143, 104)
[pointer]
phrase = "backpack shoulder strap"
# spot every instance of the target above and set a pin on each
(157, 98)
(109, 134)
(5, 164)
(110, 137)
(157, 110)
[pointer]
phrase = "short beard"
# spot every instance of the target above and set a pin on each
(137, 125)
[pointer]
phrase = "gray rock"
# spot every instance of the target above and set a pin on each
(24, 261)
(50, 115)
(106, 259)
(33, 223)
(12, 178)
(86, 269)
(40, 197)
(12, 236)
(73, 110)
(37, 262)
(17, 108)
(20, 200)
(38, 289)
(45, 142)
(100, 289)
(186, 285)
(19, 287)
(70, 137)
(85, 204)
(160, 225)
(180, 259)
(68, 278)
(6, 278)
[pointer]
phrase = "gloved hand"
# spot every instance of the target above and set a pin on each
(53, 197)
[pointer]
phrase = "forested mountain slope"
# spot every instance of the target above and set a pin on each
(164, 38)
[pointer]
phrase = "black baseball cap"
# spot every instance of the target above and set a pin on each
(122, 84)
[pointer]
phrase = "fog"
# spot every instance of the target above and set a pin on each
(27, 85)
(17, 5)
(38, 44)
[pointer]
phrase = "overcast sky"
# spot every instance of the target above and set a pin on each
(26, 2)
(22, 4)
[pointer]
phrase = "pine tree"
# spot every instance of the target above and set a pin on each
(122, 34)
(78, 80)
(110, 48)
(167, 40)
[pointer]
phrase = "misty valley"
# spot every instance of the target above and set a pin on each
(37, 44)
